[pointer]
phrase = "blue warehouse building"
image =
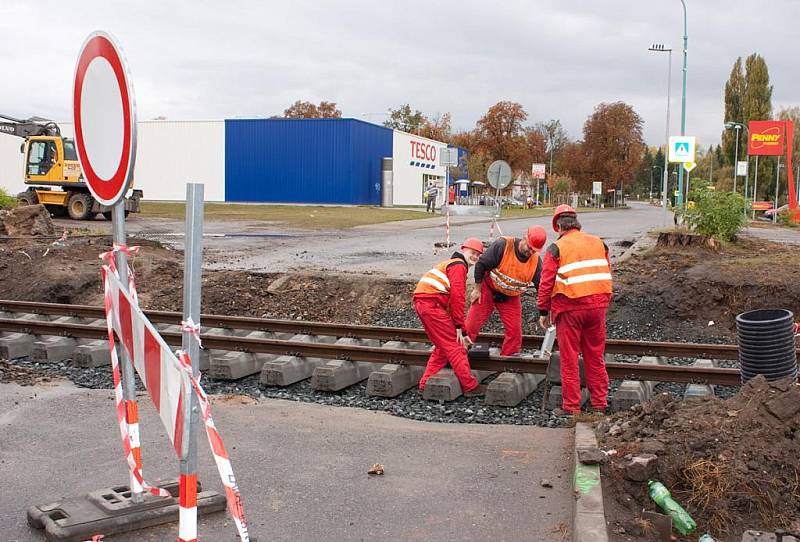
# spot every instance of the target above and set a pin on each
(334, 161)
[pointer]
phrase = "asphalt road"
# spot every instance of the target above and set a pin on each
(302, 470)
(396, 249)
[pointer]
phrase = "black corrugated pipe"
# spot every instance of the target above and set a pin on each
(766, 344)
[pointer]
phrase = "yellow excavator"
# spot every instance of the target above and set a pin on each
(53, 173)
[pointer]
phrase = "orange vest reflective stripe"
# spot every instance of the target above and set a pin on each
(583, 268)
(512, 277)
(435, 281)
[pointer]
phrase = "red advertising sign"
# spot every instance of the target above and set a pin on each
(767, 138)
(761, 205)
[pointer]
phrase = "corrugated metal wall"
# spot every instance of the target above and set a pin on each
(304, 160)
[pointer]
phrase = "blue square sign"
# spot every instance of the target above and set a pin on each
(681, 148)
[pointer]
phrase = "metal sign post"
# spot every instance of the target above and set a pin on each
(192, 284)
(499, 176)
(104, 113)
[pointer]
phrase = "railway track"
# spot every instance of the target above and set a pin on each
(394, 349)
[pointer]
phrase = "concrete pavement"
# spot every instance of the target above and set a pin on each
(301, 468)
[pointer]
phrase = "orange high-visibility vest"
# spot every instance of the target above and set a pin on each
(435, 281)
(583, 268)
(512, 277)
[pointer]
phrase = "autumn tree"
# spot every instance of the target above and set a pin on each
(438, 128)
(500, 132)
(613, 145)
(405, 119)
(307, 110)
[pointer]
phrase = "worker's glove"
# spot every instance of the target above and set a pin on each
(462, 339)
(475, 295)
(544, 321)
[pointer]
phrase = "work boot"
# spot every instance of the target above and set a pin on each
(561, 413)
(477, 391)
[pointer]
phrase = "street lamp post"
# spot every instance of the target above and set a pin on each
(738, 126)
(651, 179)
(661, 48)
(683, 98)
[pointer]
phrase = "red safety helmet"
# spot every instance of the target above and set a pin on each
(473, 243)
(537, 237)
(560, 210)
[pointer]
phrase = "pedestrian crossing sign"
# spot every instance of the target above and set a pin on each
(681, 149)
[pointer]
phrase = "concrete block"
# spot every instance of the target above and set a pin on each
(628, 394)
(555, 398)
(16, 345)
(589, 523)
(650, 385)
(698, 391)
(92, 354)
(338, 374)
(444, 385)
(53, 349)
(286, 370)
(19, 345)
(391, 380)
(509, 389)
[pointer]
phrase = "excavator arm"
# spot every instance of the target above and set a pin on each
(25, 128)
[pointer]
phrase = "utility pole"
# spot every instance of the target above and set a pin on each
(683, 100)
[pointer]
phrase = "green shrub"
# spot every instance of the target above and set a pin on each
(717, 214)
(7, 201)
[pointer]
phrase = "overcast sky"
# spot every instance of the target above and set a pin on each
(558, 58)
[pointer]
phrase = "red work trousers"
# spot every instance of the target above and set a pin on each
(441, 331)
(510, 312)
(583, 331)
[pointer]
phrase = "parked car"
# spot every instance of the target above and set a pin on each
(768, 214)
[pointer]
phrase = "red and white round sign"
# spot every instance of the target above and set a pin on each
(104, 112)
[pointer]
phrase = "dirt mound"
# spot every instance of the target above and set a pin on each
(732, 464)
(25, 221)
(684, 288)
(69, 272)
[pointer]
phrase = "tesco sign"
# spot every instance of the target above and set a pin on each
(423, 151)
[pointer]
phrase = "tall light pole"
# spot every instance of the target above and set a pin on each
(651, 179)
(661, 48)
(738, 126)
(683, 99)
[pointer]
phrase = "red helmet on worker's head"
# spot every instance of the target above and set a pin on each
(473, 243)
(560, 210)
(537, 237)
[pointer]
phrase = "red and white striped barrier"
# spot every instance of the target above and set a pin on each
(164, 374)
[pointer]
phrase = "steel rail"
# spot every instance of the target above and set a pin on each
(613, 346)
(657, 373)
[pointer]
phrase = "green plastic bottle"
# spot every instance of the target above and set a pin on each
(681, 519)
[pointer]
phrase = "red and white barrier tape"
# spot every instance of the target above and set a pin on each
(128, 434)
(194, 329)
(108, 258)
(447, 227)
(224, 466)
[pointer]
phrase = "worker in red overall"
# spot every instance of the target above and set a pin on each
(574, 294)
(507, 268)
(439, 299)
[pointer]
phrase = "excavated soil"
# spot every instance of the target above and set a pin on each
(731, 464)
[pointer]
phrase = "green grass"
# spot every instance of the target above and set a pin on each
(299, 216)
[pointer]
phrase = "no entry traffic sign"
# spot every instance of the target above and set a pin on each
(104, 112)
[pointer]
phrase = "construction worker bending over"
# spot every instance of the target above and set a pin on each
(574, 294)
(507, 268)
(439, 300)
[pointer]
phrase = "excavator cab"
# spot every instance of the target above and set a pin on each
(51, 160)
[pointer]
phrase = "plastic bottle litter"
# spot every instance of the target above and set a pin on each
(706, 538)
(681, 519)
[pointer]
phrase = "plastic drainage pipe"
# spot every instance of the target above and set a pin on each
(766, 344)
